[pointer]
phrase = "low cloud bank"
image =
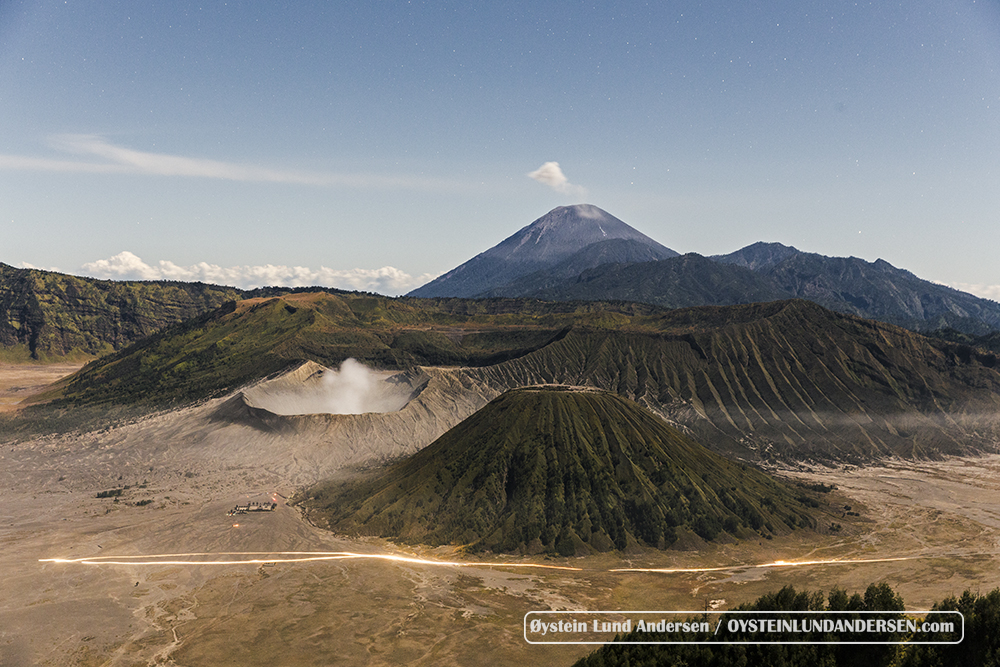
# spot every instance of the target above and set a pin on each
(386, 280)
(354, 389)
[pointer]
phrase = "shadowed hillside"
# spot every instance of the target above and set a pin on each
(688, 280)
(770, 272)
(881, 291)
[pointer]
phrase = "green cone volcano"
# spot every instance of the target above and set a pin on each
(564, 471)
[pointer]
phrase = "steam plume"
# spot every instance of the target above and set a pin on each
(354, 389)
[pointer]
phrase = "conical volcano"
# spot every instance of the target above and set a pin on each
(561, 470)
(544, 243)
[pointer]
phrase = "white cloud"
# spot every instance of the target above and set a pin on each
(991, 292)
(386, 280)
(551, 174)
(121, 160)
(26, 265)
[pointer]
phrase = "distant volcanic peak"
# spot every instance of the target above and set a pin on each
(541, 245)
(580, 215)
(567, 229)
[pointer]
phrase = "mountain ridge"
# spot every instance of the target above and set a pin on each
(770, 271)
(49, 316)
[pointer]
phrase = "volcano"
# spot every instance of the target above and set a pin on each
(566, 470)
(549, 240)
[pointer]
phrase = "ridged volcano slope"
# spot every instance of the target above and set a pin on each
(785, 378)
(560, 470)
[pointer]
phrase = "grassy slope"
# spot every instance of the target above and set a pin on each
(558, 470)
(253, 338)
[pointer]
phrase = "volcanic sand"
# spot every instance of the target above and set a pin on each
(195, 467)
(18, 381)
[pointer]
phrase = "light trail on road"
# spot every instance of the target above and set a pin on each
(286, 557)
(777, 563)
(214, 558)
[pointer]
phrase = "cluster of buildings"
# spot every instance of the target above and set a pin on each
(252, 507)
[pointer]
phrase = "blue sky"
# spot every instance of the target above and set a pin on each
(373, 145)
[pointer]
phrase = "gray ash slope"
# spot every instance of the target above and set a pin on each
(544, 244)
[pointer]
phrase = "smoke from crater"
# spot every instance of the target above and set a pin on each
(354, 389)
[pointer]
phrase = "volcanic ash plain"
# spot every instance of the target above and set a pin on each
(181, 472)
